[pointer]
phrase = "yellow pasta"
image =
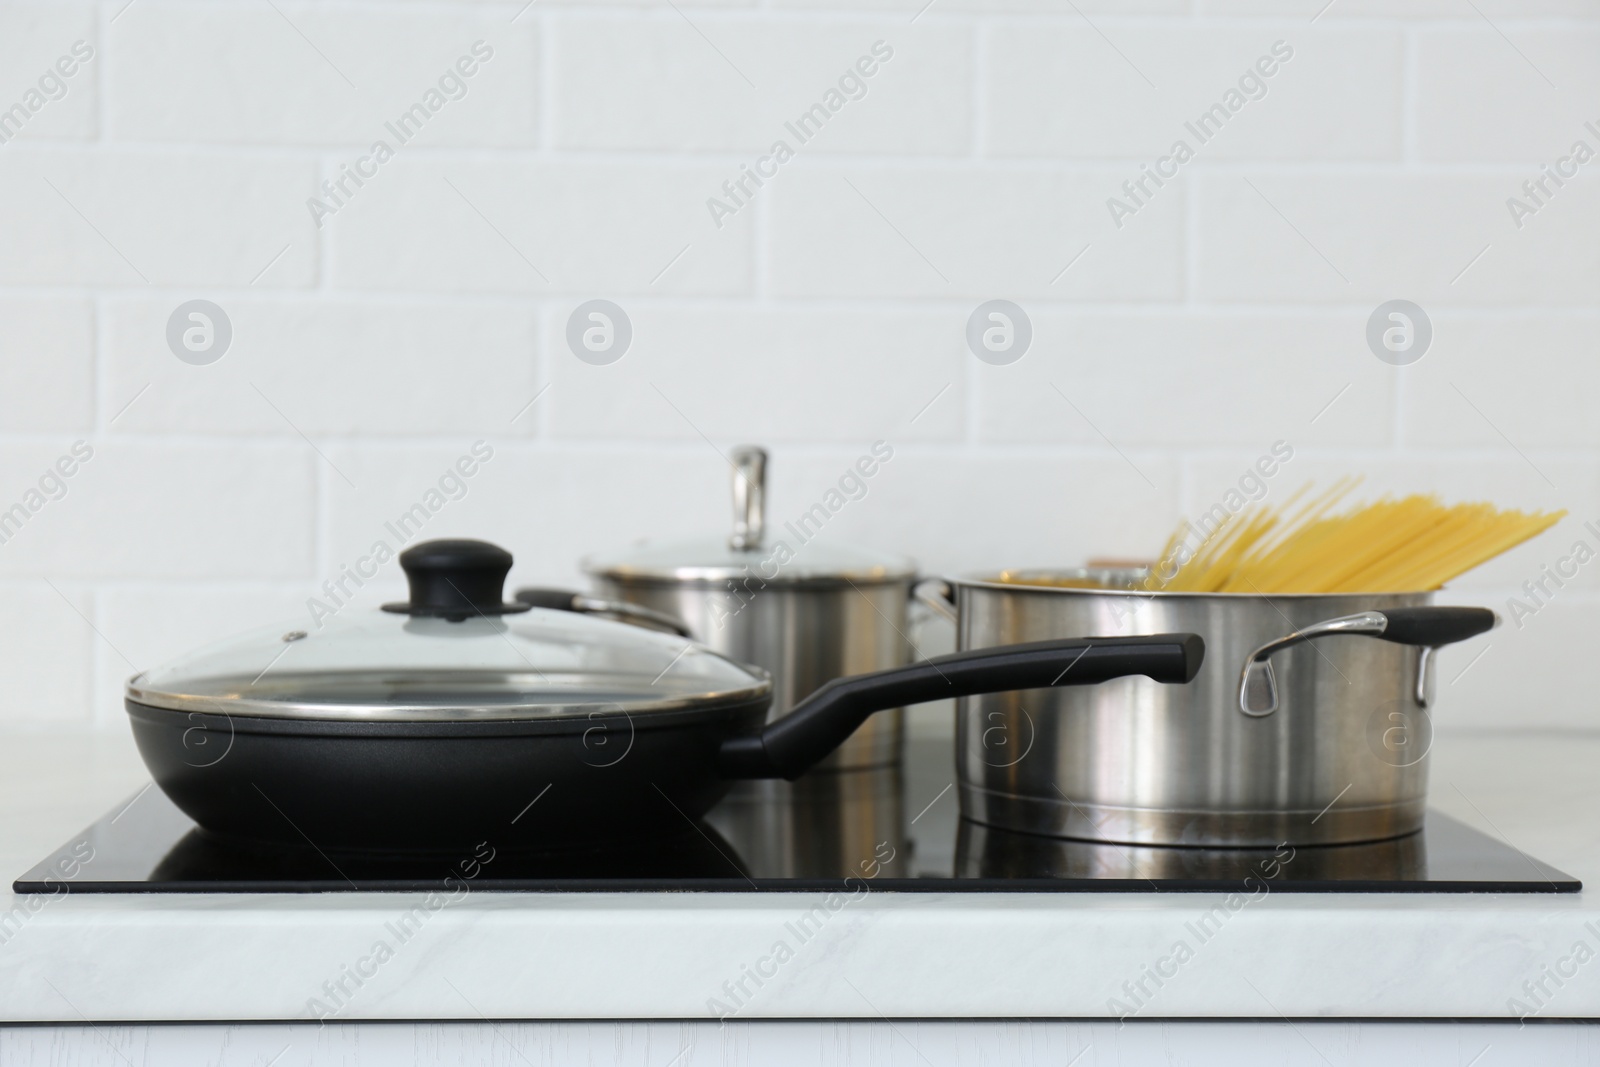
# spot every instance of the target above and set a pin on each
(1393, 545)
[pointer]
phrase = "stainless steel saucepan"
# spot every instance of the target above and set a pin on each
(805, 609)
(1309, 723)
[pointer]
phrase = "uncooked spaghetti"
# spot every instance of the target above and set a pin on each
(1393, 545)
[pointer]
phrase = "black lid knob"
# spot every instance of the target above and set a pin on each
(456, 579)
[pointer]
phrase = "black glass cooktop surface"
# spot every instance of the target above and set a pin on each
(894, 830)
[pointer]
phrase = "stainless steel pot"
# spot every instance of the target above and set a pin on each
(1309, 723)
(805, 610)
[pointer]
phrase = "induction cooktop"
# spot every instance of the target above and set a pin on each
(889, 829)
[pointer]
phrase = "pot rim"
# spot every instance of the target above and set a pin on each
(993, 580)
(717, 575)
(714, 578)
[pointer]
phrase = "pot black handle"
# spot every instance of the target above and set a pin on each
(552, 599)
(1428, 627)
(1432, 627)
(820, 723)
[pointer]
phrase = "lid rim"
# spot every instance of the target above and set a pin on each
(697, 575)
(309, 711)
(408, 728)
(792, 559)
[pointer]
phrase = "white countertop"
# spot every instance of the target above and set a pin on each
(664, 956)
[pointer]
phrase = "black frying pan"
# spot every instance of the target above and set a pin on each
(445, 785)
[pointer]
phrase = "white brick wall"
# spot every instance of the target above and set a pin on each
(430, 305)
(943, 232)
(1334, 75)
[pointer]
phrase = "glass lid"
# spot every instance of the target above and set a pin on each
(787, 555)
(453, 652)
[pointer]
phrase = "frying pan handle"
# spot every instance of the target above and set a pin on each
(817, 725)
(1428, 628)
(567, 600)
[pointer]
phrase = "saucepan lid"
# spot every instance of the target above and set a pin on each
(455, 650)
(789, 554)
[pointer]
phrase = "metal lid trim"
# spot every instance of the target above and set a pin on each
(707, 573)
(467, 710)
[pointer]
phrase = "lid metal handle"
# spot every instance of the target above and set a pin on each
(749, 498)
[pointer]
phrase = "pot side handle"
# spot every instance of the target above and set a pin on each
(817, 725)
(1428, 628)
(1433, 627)
(938, 596)
(583, 604)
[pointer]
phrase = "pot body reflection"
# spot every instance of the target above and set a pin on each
(824, 825)
(988, 852)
